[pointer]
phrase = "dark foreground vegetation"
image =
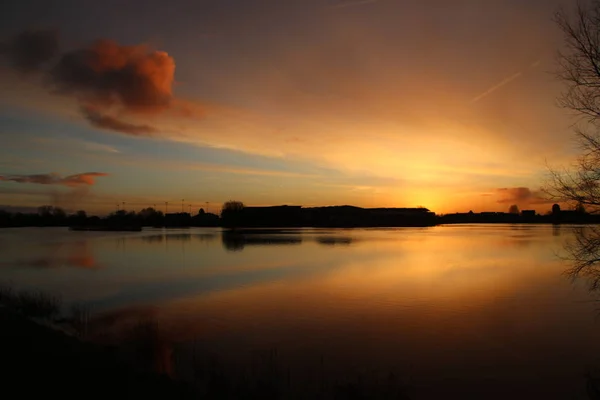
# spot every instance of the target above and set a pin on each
(46, 354)
(40, 360)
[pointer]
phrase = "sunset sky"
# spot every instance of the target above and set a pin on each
(376, 103)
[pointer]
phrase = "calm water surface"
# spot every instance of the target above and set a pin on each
(457, 311)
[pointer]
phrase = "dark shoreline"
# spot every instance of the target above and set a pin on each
(275, 229)
(42, 361)
(45, 362)
(287, 217)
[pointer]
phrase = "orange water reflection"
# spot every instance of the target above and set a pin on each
(456, 309)
(451, 308)
(77, 254)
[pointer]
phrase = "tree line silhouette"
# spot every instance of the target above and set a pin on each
(235, 215)
(56, 216)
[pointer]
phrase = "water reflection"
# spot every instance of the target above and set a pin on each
(154, 344)
(465, 311)
(583, 253)
(181, 237)
(556, 229)
(237, 241)
(334, 240)
(234, 241)
(75, 254)
(150, 239)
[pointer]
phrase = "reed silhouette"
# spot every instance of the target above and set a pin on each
(120, 354)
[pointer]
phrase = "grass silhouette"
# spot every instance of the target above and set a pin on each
(34, 304)
(143, 360)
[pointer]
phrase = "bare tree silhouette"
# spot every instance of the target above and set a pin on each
(579, 70)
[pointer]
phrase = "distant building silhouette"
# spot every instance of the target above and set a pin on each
(273, 216)
(334, 216)
(178, 220)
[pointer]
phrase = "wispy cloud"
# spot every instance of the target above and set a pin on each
(108, 122)
(350, 3)
(219, 168)
(93, 146)
(77, 180)
(71, 144)
(504, 82)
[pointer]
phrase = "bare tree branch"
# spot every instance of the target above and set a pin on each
(579, 69)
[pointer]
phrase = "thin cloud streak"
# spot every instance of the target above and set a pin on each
(491, 90)
(70, 144)
(77, 180)
(505, 82)
(535, 64)
(192, 166)
(107, 122)
(93, 146)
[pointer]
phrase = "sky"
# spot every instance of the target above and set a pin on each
(449, 105)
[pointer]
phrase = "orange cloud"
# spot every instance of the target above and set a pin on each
(105, 73)
(521, 195)
(77, 180)
(112, 83)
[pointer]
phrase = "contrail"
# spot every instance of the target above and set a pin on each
(535, 63)
(497, 86)
(352, 3)
(504, 82)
